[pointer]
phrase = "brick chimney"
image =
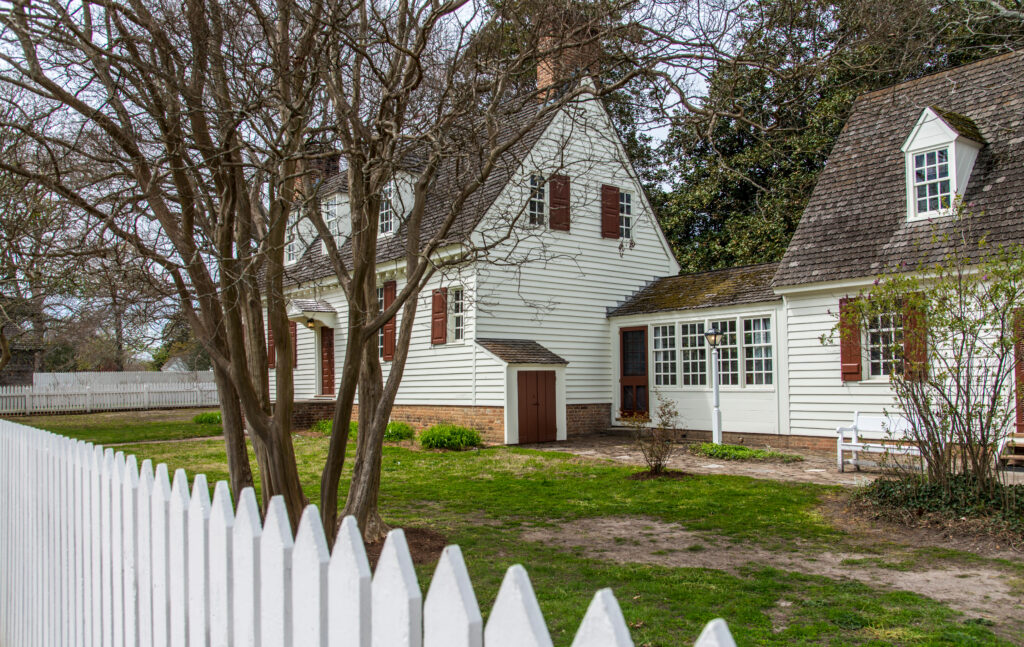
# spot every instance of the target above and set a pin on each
(561, 62)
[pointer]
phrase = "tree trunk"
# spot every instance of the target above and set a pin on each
(363, 491)
(239, 468)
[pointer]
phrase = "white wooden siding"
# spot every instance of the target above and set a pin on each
(745, 409)
(819, 400)
(559, 297)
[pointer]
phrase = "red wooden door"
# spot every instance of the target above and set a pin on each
(538, 422)
(326, 361)
(633, 370)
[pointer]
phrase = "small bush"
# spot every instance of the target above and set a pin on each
(914, 495)
(448, 436)
(399, 431)
(323, 427)
(741, 453)
(207, 418)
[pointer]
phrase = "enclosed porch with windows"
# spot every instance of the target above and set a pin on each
(661, 351)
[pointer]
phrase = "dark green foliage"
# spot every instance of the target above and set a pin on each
(323, 427)
(958, 498)
(448, 436)
(207, 418)
(399, 431)
(741, 453)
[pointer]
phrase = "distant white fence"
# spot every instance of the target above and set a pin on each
(87, 398)
(80, 379)
(95, 550)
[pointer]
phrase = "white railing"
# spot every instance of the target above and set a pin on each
(97, 550)
(81, 379)
(105, 397)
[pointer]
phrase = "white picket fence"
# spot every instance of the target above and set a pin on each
(106, 397)
(98, 550)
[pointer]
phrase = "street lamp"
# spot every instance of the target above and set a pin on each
(714, 338)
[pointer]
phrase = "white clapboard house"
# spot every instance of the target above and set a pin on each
(601, 324)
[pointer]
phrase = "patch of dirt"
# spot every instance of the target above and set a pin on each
(648, 475)
(425, 546)
(865, 525)
(979, 590)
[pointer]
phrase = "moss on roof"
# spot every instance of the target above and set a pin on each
(730, 286)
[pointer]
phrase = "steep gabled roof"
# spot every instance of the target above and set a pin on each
(717, 288)
(855, 224)
(314, 264)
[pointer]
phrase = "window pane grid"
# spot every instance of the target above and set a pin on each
(885, 343)
(694, 357)
(757, 351)
(537, 203)
(728, 353)
(665, 367)
(387, 211)
(932, 189)
(458, 314)
(625, 215)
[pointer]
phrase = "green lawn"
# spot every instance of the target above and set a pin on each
(124, 426)
(483, 501)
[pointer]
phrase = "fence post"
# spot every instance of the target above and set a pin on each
(397, 614)
(349, 588)
(245, 544)
(161, 601)
(178, 560)
(199, 562)
(310, 558)
(145, 396)
(516, 620)
(451, 615)
(221, 560)
(28, 401)
(276, 545)
(88, 398)
(603, 623)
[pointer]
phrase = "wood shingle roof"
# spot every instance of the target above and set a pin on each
(728, 287)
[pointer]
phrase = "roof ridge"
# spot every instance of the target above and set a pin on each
(721, 269)
(955, 68)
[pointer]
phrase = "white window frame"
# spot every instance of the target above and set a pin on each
(626, 221)
(761, 339)
(537, 204)
(883, 345)
(331, 212)
(730, 373)
(942, 208)
(692, 351)
(456, 314)
(388, 218)
(292, 246)
(666, 365)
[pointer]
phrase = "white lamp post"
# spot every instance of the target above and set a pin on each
(714, 337)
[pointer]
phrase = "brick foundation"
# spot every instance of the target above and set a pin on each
(490, 421)
(583, 419)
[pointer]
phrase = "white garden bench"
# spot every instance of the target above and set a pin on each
(894, 427)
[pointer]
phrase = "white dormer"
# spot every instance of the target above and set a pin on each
(939, 155)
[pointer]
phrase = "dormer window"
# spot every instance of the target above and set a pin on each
(332, 218)
(939, 156)
(932, 188)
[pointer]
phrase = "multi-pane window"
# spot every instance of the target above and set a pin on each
(728, 353)
(388, 218)
(665, 368)
(693, 354)
(332, 218)
(380, 333)
(885, 344)
(757, 351)
(625, 215)
(535, 208)
(292, 246)
(932, 190)
(457, 313)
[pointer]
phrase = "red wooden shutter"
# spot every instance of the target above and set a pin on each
(609, 211)
(558, 202)
(439, 317)
(849, 342)
(915, 343)
(389, 327)
(271, 351)
(1018, 367)
(292, 330)
(326, 361)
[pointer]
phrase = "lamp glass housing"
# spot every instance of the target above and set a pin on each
(310, 323)
(713, 337)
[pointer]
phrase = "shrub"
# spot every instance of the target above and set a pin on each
(399, 431)
(324, 427)
(656, 442)
(207, 418)
(741, 453)
(449, 436)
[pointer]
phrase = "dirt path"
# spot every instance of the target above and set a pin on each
(978, 590)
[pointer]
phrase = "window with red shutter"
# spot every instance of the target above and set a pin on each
(388, 353)
(915, 343)
(439, 317)
(609, 211)
(271, 351)
(293, 331)
(849, 341)
(558, 195)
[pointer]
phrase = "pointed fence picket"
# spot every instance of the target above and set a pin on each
(96, 549)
